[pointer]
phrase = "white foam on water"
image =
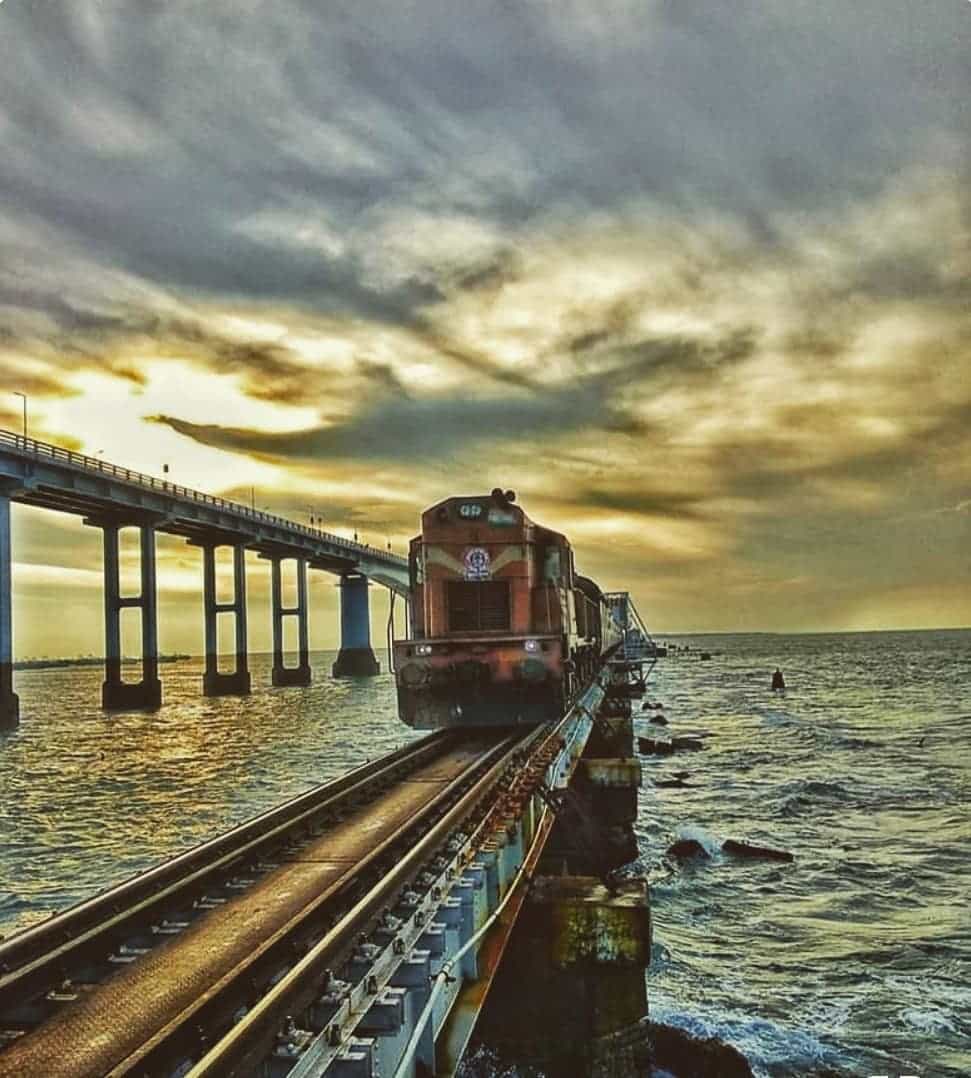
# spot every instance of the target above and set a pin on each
(711, 844)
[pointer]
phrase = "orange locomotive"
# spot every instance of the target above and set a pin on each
(502, 629)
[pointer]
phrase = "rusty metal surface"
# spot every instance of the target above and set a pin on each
(460, 1024)
(95, 1034)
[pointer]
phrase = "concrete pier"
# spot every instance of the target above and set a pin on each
(355, 659)
(9, 701)
(215, 682)
(572, 978)
(116, 694)
(299, 674)
(571, 994)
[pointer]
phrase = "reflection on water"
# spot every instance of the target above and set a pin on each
(855, 958)
(88, 798)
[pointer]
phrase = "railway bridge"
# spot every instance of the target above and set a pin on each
(465, 883)
(111, 497)
(367, 927)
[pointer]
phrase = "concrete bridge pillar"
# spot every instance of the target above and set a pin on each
(9, 701)
(299, 674)
(572, 976)
(236, 682)
(355, 659)
(116, 694)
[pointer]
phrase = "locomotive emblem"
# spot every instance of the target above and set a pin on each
(476, 561)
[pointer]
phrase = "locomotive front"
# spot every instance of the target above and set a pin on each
(491, 611)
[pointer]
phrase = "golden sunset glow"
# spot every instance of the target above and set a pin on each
(696, 284)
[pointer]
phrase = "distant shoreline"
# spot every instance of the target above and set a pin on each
(86, 660)
(660, 637)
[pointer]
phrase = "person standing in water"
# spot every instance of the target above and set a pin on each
(778, 681)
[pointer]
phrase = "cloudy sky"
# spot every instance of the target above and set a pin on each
(692, 277)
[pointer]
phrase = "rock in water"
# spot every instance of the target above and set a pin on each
(685, 849)
(647, 746)
(658, 719)
(755, 853)
(679, 1053)
(691, 744)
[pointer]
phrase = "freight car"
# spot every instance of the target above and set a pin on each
(502, 629)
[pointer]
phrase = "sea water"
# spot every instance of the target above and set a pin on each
(854, 959)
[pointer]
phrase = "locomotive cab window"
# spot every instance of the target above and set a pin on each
(478, 606)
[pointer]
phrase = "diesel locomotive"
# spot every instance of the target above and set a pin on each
(502, 629)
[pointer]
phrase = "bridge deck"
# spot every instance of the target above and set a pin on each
(39, 474)
(96, 1034)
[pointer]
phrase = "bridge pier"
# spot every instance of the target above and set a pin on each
(9, 701)
(570, 996)
(572, 978)
(117, 694)
(355, 659)
(216, 682)
(299, 674)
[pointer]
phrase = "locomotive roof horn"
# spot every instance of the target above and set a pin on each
(503, 497)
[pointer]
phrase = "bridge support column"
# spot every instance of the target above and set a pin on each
(299, 674)
(215, 682)
(116, 694)
(9, 701)
(355, 659)
(572, 977)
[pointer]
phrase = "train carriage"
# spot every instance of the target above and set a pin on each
(501, 629)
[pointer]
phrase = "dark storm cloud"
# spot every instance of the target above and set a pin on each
(476, 361)
(723, 245)
(429, 429)
(154, 136)
(399, 427)
(645, 502)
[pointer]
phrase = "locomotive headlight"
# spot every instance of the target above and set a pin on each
(423, 649)
(532, 645)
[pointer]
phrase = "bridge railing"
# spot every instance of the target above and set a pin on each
(31, 447)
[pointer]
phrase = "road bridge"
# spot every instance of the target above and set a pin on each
(111, 497)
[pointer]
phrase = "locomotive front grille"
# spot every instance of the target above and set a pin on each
(478, 606)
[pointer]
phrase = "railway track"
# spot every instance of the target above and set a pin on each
(271, 950)
(134, 981)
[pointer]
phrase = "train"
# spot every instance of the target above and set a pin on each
(502, 630)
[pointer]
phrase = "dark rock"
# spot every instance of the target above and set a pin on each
(690, 744)
(672, 784)
(685, 849)
(658, 720)
(647, 746)
(682, 1055)
(755, 853)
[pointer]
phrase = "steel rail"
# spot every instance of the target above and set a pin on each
(42, 956)
(247, 1044)
(250, 1040)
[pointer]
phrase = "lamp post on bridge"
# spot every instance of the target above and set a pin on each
(23, 397)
